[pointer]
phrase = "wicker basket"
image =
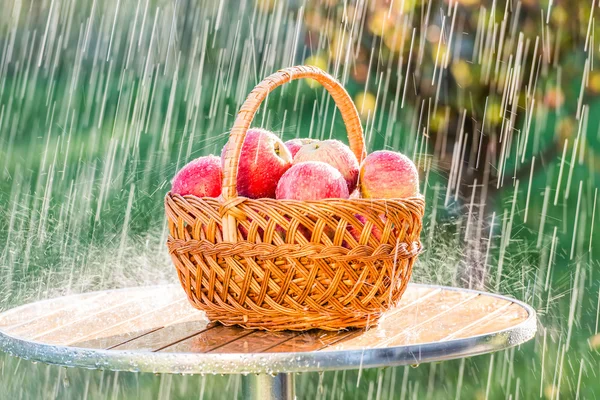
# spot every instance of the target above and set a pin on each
(286, 264)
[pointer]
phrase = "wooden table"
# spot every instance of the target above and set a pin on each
(154, 329)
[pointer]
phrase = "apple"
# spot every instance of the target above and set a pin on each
(375, 231)
(312, 180)
(295, 144)
(300, 229)
(334, 153)
(200, 177)
(280, 232)
(388, 175)
(263, 160)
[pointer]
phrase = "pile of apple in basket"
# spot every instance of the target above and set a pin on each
(297, 235)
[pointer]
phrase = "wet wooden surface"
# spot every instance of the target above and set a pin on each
(160, 319)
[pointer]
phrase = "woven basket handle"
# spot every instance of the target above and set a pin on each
(260, 92)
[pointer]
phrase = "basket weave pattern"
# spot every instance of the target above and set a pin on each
(286, 264)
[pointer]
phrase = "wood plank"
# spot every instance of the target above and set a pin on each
(175, 332)
(110, 342)
(138, 325)
(411, 315)
(83, 327)
(56, 319)
(207, 340)
(414, 293)
(311, 341)
(475, 324)
(25, 313)
(443, 324)
(256, 342)
(514, 315)
(161, 338)
(318, 340)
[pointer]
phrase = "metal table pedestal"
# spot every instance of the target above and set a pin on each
(268, 387)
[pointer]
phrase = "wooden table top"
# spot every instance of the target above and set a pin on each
(156, 329)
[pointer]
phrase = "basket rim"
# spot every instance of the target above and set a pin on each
(418, 197)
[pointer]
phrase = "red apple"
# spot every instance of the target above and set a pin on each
(201, 178)
(388, 175)
(334, 153)
(300, 229)
(375, 231)
(312, 180)
(295, 144)
(263, 160)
